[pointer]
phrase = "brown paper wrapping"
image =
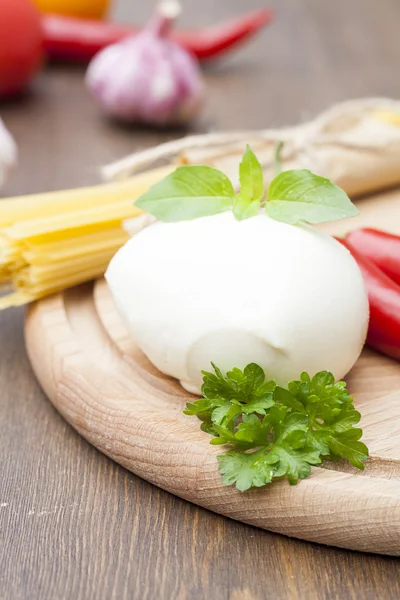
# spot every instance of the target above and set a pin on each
(356, 144)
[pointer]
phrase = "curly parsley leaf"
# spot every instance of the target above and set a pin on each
(277, 432)
(227, 397)
(286, 456)
(245, 470)
(331, 415)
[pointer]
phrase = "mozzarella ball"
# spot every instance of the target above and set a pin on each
(288, 298)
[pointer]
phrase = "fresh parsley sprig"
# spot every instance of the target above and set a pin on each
(277, 432)
(293, 196)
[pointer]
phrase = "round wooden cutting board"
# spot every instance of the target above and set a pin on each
(110, 393)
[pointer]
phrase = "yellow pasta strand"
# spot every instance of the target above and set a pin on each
(17, 299)
(26, 208)
(62, 250)
(49, 242)
(29, 229)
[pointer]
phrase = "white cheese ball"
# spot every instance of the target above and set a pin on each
(288, 298)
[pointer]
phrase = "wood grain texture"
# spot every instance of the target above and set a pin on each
(73, 524)
(112, 395)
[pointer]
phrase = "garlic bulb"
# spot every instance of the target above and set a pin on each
(8, 153)
(148, 78)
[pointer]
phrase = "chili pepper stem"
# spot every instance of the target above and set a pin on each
(166, 14)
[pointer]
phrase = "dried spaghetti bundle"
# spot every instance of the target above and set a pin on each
(52, 241)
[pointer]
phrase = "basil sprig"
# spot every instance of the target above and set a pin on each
(293, 196)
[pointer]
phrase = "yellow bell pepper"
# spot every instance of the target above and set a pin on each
(87, 9)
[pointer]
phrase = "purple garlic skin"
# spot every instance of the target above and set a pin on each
(147, 79)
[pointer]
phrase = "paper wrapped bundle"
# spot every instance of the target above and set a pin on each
(356, 144)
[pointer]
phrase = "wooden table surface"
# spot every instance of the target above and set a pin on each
(74, 525)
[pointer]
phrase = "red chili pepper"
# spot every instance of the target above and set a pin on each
(383, 249)
(384, 304)
(74, 39)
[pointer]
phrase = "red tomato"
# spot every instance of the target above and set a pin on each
(21, 44)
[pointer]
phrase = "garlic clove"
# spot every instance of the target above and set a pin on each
(8, 153)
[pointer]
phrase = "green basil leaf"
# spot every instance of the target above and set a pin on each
(299, 195)
(245, 208)
(251, 176)
(248, 202)
(189, 192)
